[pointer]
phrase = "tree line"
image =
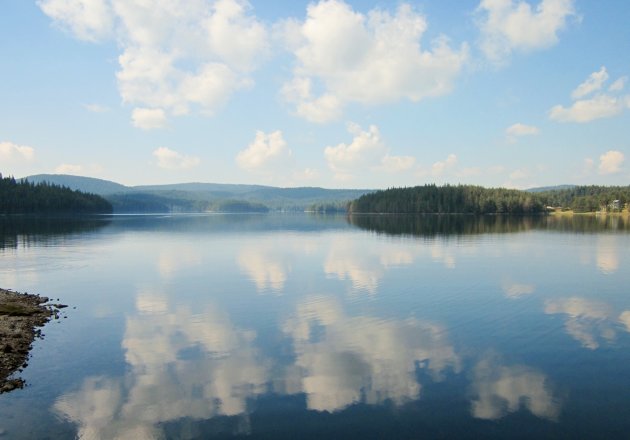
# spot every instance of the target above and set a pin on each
(23, 197)
(589, 198)
(471, 199)
(448, 199)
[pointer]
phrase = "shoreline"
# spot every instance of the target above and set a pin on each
(21, 317)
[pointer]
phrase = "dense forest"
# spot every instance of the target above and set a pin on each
(23, 197)
(588, 198)
(469, 199)
(449, 199)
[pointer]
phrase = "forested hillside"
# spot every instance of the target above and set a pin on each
(24, 197)
(449, 199)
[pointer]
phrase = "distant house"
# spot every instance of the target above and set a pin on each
(615, 204)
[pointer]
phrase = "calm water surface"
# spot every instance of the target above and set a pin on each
(264, 326)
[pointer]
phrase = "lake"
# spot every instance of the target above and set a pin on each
(304, 326)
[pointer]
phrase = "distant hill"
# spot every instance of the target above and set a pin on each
(199, 197)
(550, 188)
(84, 184)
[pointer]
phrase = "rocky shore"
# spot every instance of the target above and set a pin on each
(21, 317)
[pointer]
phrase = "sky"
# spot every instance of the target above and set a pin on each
(330, 93)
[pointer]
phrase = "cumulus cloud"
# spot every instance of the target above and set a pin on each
(367, 149)
(587, 110)
(175, 56)
(618, 85)
(508, 25)
(519, 129)
(345, 56)
(173, 160)
(148, 118)
(593, 83)
(88, 20)
(590, 103)
(440, 167)
(610, 162)
(266, 150)
(394, 164)
(10, 152)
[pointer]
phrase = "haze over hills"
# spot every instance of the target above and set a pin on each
(196, 196)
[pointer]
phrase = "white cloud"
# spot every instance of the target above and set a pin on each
(508, 25)
(175, 56)
(370, 59)
(624, 318)
(12, 152)
(395, 164)
(148, 118)
(519, 129)
(68, 168)
(600, 105)
(439, 168)
(618, 85)
(89, 20)
(266, 150)
(173, 160)
(610, 162)
(366, 150)
(593, 83)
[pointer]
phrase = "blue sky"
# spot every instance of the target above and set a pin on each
(354, 94)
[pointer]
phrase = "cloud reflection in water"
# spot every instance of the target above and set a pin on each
(503, 389)
(343, 360)
(182, 365)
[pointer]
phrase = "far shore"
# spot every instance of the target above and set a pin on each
(568, 213)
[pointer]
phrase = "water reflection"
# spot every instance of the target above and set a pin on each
(25, 231)
(267, 271)
(500, 390)
(181, 365)
(176, 258)
(437, 225)
(586, 321)
(188, 345)
(517, 290)
(607, 255)
(342, 360)
(364, 264)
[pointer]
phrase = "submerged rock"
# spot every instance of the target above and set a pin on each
(21, 316)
